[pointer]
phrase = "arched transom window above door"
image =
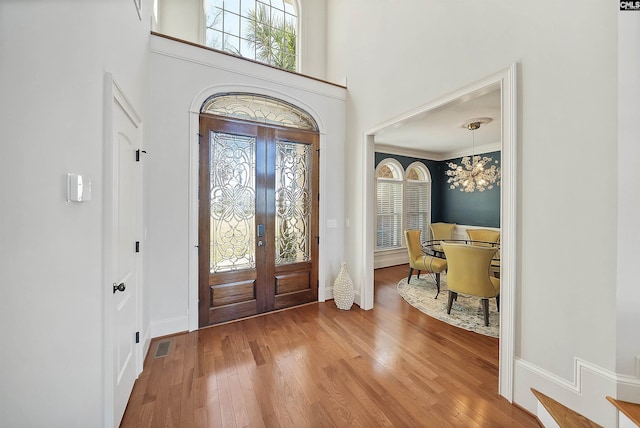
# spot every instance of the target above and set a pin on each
(261, 30)
(259, 108)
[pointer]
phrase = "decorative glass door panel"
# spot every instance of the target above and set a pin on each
(293, 202)
(232, 202)
(258, 218)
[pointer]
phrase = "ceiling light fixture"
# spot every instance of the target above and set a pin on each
(473, 174)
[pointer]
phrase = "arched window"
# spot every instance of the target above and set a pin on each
(417, 198)
(389, 174)
(403, 201)
(262, 30)
(259, 108)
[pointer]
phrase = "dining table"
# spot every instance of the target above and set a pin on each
(433, 248)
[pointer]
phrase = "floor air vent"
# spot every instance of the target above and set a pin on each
(162, 350)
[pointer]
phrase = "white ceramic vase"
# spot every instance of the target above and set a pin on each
(343, 293)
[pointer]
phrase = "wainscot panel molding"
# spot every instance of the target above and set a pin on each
(460, 231)
(585, 393)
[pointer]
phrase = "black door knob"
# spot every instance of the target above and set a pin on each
(118, 287)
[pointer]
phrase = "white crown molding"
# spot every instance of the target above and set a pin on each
(486, 148)
(403, 151)
(160, 45)
(425, 154)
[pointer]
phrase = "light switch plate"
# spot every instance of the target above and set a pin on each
(78, 188)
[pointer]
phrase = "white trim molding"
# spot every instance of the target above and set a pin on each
(169, 326)
(231, 74)
(394, 257)
(194, 121)
(585, 393)
(506, 80)
(436, 156)
(114, 95)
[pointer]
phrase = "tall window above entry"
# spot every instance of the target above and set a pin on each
(262, 30)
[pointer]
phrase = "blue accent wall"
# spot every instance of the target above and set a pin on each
(452, 205)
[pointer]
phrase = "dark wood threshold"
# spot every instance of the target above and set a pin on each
(630, 410)
(197, 45)
(564, 416)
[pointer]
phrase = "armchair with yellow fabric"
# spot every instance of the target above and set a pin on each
(468, 274)
(484, 235)
(487, 238)
(420, 261)
(440, 231)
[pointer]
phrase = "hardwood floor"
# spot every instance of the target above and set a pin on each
(318, 366)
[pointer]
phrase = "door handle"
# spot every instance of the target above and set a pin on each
(260, 243)
(118, 287)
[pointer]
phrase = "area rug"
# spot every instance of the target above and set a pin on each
(466, 312)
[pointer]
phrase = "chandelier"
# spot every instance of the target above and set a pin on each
(474, 173)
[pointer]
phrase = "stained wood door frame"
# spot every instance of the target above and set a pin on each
(190, 322)
(276, 285)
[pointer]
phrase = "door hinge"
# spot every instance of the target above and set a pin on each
(137, 337)
(138, 154)
(318, 239)
(137, 246)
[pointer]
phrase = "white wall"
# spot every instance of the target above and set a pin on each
(181, 78)
(184, 18)
(398, 58)
(53, 57)
(628, 292)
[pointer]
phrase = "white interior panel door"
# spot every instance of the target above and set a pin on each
(125, 231)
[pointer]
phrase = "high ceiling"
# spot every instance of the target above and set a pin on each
(438, 131)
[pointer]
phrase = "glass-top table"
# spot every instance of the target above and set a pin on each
(433, 247)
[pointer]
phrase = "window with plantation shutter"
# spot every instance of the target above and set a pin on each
(417, 199)
(389, 189)
(403, 201)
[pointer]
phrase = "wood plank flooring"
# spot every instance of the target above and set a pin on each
(317, 366)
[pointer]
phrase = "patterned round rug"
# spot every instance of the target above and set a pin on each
(466, 312)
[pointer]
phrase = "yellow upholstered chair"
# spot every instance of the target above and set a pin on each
(484, 235)
(487, 238)
(468, 274)
(421, 261)
(440, 231)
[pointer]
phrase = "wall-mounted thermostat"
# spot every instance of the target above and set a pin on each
(78, 188)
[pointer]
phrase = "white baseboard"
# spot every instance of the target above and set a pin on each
(585, 394)
(328, 293)
(387, 258)
(625, 422)
(545, 417)
(169, 326)
(146, 342)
